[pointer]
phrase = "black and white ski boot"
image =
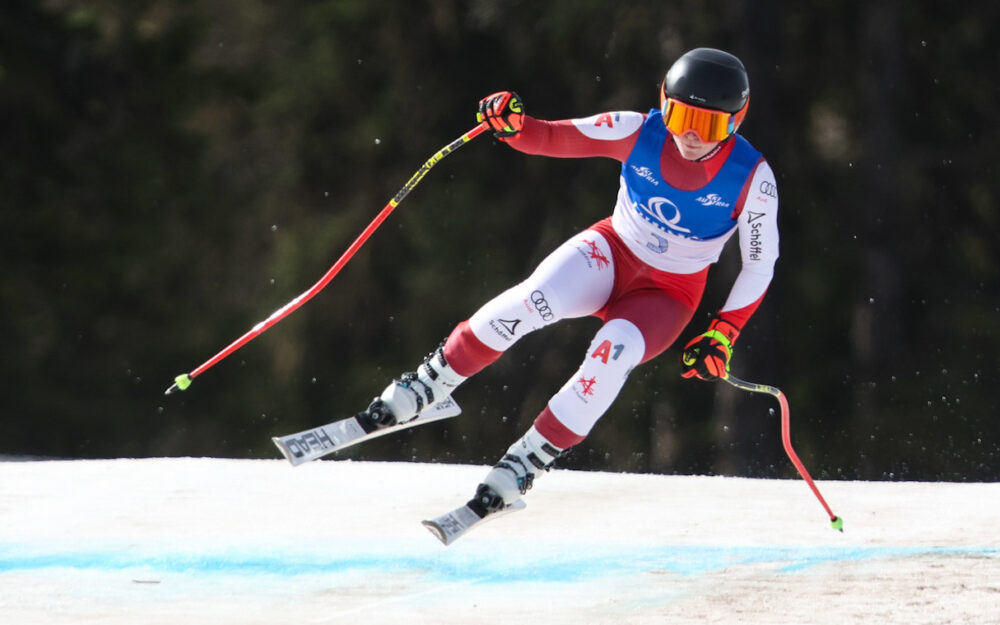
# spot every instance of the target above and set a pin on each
(500, 492)
(415, 391)
(523, 463)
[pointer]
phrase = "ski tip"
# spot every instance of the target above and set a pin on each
(837, 523)
(438, 532)
(289, 456)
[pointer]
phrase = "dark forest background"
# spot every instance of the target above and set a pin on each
(174, 171)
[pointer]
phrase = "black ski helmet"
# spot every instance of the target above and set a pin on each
(708, 78)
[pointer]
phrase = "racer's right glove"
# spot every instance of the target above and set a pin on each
(504, 111)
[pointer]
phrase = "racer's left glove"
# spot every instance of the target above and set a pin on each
(706, 357)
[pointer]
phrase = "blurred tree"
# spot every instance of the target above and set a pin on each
(175, 171)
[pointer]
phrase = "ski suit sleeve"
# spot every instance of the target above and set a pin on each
(758, 236)
(611, 135)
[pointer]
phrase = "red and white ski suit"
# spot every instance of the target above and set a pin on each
(642, 270)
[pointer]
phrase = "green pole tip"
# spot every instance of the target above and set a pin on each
(837, 523)
(181, 383)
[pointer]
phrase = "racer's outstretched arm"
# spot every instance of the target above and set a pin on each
(758, 236)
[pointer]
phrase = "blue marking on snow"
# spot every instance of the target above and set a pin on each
(481, 563)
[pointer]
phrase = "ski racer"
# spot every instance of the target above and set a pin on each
(688, 183)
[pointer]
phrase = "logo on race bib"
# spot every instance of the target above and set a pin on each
(664, 214)
(646, 174)
(712, 199)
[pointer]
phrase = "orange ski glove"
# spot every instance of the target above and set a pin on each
(706, 357)
(504, 111)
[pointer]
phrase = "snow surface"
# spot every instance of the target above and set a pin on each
(256, 541)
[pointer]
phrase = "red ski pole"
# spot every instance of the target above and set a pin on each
(786, 438)
(183, 381)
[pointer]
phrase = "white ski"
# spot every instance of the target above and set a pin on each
(317, 442)
(451, 526)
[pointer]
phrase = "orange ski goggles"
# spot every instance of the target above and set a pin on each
(710, 125)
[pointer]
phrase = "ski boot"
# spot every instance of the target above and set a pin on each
(515, 474)
(405, 398)
(500, 493)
